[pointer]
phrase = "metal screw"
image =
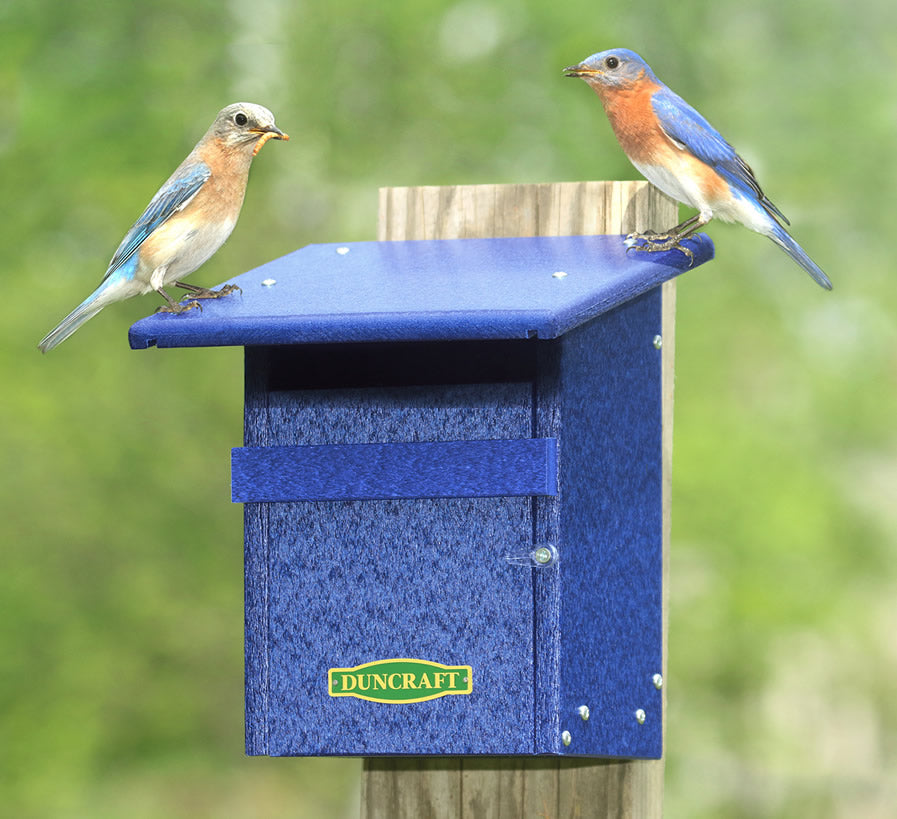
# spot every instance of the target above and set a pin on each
(542, 555)
(560, 274)
(658, 342)
(342, 251)
(584, 712)
(268, 282)
(640, 716)
(657, 679)
(566, 738)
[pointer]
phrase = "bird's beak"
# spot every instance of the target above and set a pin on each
(265, 134)
(273, 132)
(580, 70)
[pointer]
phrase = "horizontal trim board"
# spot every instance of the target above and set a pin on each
(378, 471)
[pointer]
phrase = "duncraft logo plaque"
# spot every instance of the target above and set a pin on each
(399, 681)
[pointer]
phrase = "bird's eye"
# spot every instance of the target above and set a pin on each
(611, 62)
(240, 118)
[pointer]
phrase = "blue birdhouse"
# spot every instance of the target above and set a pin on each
(451, 478)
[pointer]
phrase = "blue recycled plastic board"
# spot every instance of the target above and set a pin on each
(452, 456)
(423, 290)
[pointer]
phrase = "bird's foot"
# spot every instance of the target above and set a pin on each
(650, 242)
(178, 307)
(194, 292)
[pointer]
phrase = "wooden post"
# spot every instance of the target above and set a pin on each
(544, 787)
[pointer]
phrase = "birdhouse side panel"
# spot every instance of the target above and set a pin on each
(610, 482)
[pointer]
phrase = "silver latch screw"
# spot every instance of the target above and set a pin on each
(542, 555)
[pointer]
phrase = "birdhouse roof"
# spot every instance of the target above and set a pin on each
(423, 290)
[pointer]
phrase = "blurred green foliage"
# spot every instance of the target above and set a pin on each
(121, 634)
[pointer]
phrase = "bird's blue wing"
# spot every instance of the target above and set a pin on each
(170, 198)
(685, 126)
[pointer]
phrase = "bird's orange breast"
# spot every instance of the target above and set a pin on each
(633, 119)
(641, 135)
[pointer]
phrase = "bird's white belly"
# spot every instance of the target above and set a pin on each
(178, 247)
(678, 185)
(680, 182)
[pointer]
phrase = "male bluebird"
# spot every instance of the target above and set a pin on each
(681, 153)
(189, 218)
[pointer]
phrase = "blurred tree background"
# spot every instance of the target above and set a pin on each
(121, 635)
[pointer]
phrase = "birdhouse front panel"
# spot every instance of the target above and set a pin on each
(348, 583)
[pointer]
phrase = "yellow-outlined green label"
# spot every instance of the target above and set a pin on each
(399, 681)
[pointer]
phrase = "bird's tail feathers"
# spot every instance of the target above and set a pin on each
(82, 313)
(784, 240)
(772, 210)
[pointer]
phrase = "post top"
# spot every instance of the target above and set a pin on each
(439, 289)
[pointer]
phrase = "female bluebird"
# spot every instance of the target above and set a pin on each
(681, 153)
(189, 218)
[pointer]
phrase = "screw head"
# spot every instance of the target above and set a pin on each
(566, 738)
(640, 716)
(658, 342)
(342, 251)
(542, 555)
(269, 282)
(657, 679)
(583, 711)
(560, 274)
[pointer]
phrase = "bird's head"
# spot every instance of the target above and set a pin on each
(245, 123)
(613, 69)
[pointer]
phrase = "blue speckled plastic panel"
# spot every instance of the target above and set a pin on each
(418, 290)
(610, 522)
(339, 583)
(380, 471)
